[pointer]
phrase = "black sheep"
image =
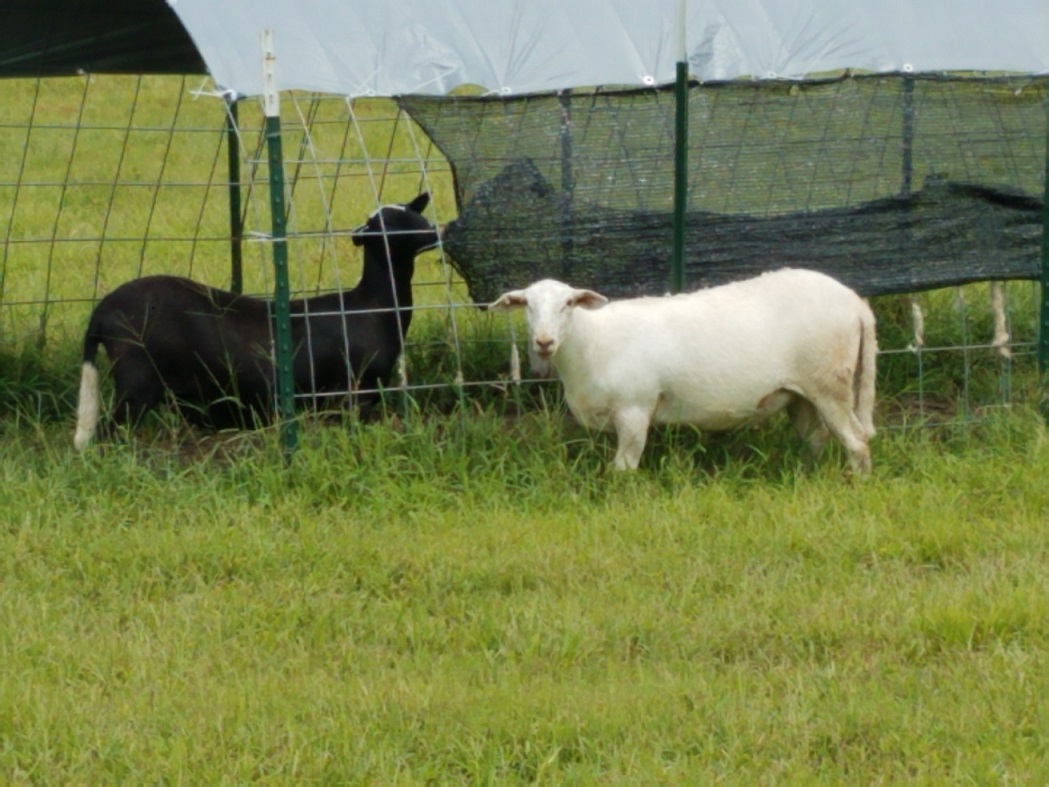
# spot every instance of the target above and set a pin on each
(209, 352)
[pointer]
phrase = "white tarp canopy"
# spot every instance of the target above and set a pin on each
(394, 47)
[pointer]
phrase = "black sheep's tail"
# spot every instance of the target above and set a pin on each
(88, 403)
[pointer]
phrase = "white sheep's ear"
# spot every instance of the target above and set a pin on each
(588, 299)
(514, 299)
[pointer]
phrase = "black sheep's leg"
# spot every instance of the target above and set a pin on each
(137, 394)
(128, 411)
(367, 404)
(368, 393)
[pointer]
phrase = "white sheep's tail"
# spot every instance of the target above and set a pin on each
(866, 372)
(88, 406)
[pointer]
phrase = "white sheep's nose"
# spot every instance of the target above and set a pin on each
(544, 347)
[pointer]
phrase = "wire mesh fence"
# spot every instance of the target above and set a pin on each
(107, 178)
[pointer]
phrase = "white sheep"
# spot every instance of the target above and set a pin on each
(718, 358)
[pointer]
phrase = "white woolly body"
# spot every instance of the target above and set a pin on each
(719, 358)
(739, 347)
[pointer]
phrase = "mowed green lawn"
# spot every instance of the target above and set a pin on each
(478, 598)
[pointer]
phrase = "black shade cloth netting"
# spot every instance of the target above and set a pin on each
(890, 183)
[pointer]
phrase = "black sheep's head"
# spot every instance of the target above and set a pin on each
(400, 228)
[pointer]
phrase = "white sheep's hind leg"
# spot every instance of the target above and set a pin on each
(808, 425)
(631, 431)
(847, 428)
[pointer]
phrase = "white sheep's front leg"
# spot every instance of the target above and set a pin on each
(631, 431)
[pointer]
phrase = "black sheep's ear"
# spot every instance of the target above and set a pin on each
(419, 203)
(359, 235)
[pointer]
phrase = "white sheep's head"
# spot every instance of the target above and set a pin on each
(548, 306)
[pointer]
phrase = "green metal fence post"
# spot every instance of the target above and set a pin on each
(1043, 332)
(677, 252)
(677, 249)
(567, 179)
(907, 164)
(236, 224)
(282, 292)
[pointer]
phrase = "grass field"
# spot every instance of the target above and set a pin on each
(464, 592)
(478, 598)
